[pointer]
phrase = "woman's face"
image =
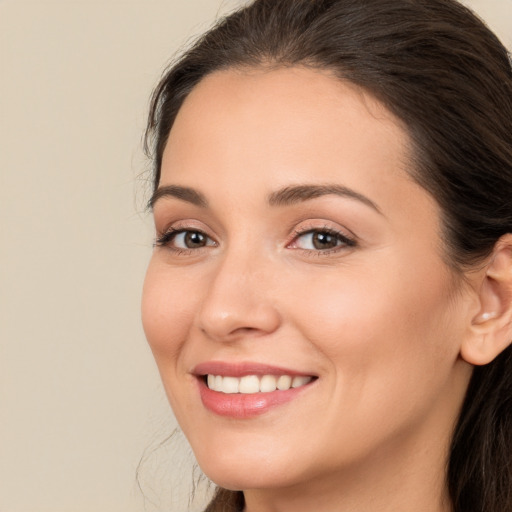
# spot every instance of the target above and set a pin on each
(295, 249)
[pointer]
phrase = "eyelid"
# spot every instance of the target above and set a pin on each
(347, 240)
(167, 235)
(171, 222)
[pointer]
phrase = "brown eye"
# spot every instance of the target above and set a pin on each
(321, 240)
(181, 239)
(193, 239)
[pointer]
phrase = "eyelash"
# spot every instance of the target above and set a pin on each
(345, 242)
(166, 239)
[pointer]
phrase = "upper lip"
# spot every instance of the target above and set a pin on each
(240, 369)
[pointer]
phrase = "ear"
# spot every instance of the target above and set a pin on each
(491, 328)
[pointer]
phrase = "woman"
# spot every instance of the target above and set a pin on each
(329, 301)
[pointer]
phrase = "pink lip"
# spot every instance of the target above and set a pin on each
(239, 405)
(242, 406)
(242, 369)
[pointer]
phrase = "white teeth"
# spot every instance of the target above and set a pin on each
(230, 385)
(268, 383)
(284, 382)
(255, 384)
(299, 381)
(249, 384)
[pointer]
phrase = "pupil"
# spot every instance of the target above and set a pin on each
(324, 241)
(194, 239)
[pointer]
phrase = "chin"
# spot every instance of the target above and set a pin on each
(245, 472)
(239, 479)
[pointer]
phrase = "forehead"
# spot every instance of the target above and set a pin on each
(264, 128)
(283, 117)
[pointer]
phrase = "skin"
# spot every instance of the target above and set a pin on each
(380, 323)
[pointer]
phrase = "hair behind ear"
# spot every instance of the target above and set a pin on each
(480, 467)
(226, 501)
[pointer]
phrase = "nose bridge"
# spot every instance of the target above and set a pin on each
(237, 300)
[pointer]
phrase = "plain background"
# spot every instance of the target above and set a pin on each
(80, 398)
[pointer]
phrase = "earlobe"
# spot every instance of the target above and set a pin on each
(491, 328)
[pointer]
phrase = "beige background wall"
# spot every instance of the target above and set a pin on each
(80, 400)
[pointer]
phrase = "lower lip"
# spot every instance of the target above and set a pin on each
(240, 405)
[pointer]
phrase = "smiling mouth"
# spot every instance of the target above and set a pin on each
(250, 384)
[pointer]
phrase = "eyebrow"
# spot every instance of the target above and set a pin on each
(283, 197)
(299, 193)
(186, 194)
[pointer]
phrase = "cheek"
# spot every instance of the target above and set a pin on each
(166, 313)
(380, 328)
(391, 353)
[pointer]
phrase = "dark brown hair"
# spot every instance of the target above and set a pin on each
(439, 69)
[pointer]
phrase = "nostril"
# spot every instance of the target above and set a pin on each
(240, 321)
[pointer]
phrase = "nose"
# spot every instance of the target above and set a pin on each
(239, 301)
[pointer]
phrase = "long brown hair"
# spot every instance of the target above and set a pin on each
(437, 67)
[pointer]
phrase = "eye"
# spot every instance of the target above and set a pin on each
(190, 240)
(321, 240)
(184, 239)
